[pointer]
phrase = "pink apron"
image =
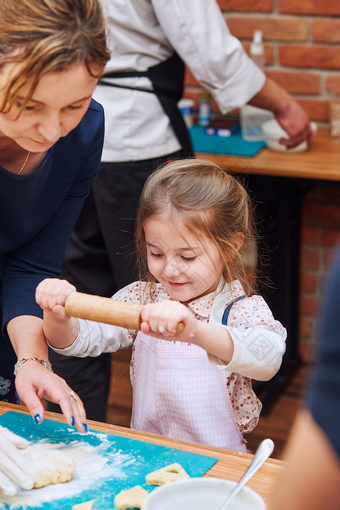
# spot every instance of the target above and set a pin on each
(178, 394)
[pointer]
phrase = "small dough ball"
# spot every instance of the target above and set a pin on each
(87, 505)
(167, 474)
(131, 498)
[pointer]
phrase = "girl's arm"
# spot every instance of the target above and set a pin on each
(162, 319)
(59, 329)
(252, 344)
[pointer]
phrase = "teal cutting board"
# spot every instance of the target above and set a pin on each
(125, 463)
(234, 145)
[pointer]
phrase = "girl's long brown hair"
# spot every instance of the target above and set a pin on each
(209, 202)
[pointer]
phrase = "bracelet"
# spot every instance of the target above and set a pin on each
(43, 362)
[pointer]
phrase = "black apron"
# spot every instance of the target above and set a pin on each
(167, 80)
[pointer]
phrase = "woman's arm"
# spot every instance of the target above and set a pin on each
(33, 380)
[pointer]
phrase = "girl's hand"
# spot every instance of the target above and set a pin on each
(51, 295)
(162, 319)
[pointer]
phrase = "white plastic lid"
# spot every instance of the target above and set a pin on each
(256, 47)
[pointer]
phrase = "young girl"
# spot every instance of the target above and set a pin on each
(195, 240)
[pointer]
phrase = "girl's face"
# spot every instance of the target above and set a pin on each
(177, 259)
(57, 106)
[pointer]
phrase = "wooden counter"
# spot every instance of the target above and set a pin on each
(231, 465)
(321, 162)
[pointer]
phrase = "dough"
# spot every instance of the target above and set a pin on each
(84, 506)
(131, 498)
(167, 474)
(49, 466)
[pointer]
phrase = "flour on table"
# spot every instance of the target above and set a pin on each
(50, 466)
(167, 474)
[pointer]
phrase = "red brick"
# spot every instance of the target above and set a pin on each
(307, 351)
(317, 109)
(309, 305)
(333, 84)
(330, 194)
(308, 283)
(330, 237)
(326, 30)
(309, 7)
(246, 5)
(310, 235)
(306, 327)
(283, 29)
(296, 82)
(327, 213)
(321, 57)
(310, 259)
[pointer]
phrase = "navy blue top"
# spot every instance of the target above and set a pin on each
(38, 211)
(323, 399)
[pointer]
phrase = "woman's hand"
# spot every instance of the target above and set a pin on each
(14, 469)
(34, 382)
(162, 319)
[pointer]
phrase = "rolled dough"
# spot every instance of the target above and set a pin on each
(167, 474)
(87, 505)
(131, 498)
(49, 466)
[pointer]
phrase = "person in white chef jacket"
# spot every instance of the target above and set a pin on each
(150, 40)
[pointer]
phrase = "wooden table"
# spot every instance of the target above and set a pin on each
(321, 162)
(278, 183)
(231, 465)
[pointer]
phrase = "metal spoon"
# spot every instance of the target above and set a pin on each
(262, 453)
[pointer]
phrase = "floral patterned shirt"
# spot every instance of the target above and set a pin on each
(259, 340)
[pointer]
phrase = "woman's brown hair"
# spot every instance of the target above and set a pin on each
(49, 35)
(205, 199)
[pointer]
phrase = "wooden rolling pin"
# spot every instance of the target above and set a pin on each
(101, 309)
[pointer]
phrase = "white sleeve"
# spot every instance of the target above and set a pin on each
(198, 32)
(94, 338)
(259, 340)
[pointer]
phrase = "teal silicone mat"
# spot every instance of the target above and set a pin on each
(108, 464)
(234, 145)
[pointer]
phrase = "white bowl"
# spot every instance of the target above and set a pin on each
(273, 132)
(201, 494)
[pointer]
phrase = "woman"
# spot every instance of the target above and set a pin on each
(51, 135)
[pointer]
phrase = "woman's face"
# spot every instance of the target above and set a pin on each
(57, 106)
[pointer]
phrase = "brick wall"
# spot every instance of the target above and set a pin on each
(302, 54)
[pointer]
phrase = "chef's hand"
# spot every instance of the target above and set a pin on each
(289, 114)
(294, 120)
(14, 468)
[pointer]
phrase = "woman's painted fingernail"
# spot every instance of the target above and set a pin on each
(72, 420)
(37, 418)
(84, 427)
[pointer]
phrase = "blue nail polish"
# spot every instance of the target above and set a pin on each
(72, 420)
(84, 427)
(37, 418)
